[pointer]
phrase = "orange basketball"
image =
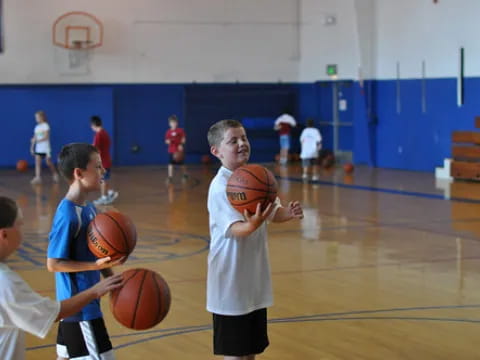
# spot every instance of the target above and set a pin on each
(22, 165)
(143, 301)
(250, 185)
(178, 156)
(348, 168)
(111, 234)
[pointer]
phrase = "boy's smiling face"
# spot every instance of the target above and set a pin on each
(92, 177)
(234, 149)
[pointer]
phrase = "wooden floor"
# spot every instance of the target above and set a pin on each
(384, 265)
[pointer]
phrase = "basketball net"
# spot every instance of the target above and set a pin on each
(79, 54)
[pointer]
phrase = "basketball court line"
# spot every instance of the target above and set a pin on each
(337, 316)
(329, 269)
(382, 190)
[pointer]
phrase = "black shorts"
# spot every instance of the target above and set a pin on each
(172, 161)
(42, 155)
(83, 339)
(240, 335)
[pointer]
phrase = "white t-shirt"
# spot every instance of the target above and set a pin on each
(42, 144)
(287, 119)
(238, 280)
(310, 140)
(21, 309)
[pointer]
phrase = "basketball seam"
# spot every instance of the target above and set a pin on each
(249, 188)
(124, 283)
(255, 176)
(138, 299)
(168, 298)
(159, 296)
(104, 238)
(268, 184)
(123, 233)
(250, 201)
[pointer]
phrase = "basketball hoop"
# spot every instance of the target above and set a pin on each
(75, 35)
(76, 26)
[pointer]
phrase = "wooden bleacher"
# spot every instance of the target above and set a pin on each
(466, 154)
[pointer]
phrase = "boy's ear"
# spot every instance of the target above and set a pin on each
(214, 150)
(3, 234)
(77, 173)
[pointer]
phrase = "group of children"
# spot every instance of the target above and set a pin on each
(41, 149)
(239, 289)
(310, 141)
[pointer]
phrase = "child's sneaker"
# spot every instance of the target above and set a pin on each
(315, 178)
(112, 196)
(102, 200)
(305, 176)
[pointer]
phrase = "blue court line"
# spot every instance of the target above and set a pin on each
(358, 312)
(383, 190)
(339, 316)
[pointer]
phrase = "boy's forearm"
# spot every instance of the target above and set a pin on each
(59, 265)
(71, 306)
(242, 229)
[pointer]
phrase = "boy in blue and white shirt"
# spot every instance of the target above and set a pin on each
(82, 335)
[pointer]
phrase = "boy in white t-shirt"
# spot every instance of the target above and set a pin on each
(40, 148)
(238, 283)
(22, 309)
(311, 142)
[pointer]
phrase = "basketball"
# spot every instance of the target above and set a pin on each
(178, 156)
(22, 165)
(348, 168)
(111, 234)
(143, 301)
(250, 185)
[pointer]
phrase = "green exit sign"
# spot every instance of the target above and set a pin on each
(332, 70)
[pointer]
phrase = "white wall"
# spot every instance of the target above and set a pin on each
(323, 44)
(366, 37)
(410, 31)
(159, 41)
(185, 40)
(246, 40)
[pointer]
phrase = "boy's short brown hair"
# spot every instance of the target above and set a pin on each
(217, 130)
(8, 212)
(74, 155)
